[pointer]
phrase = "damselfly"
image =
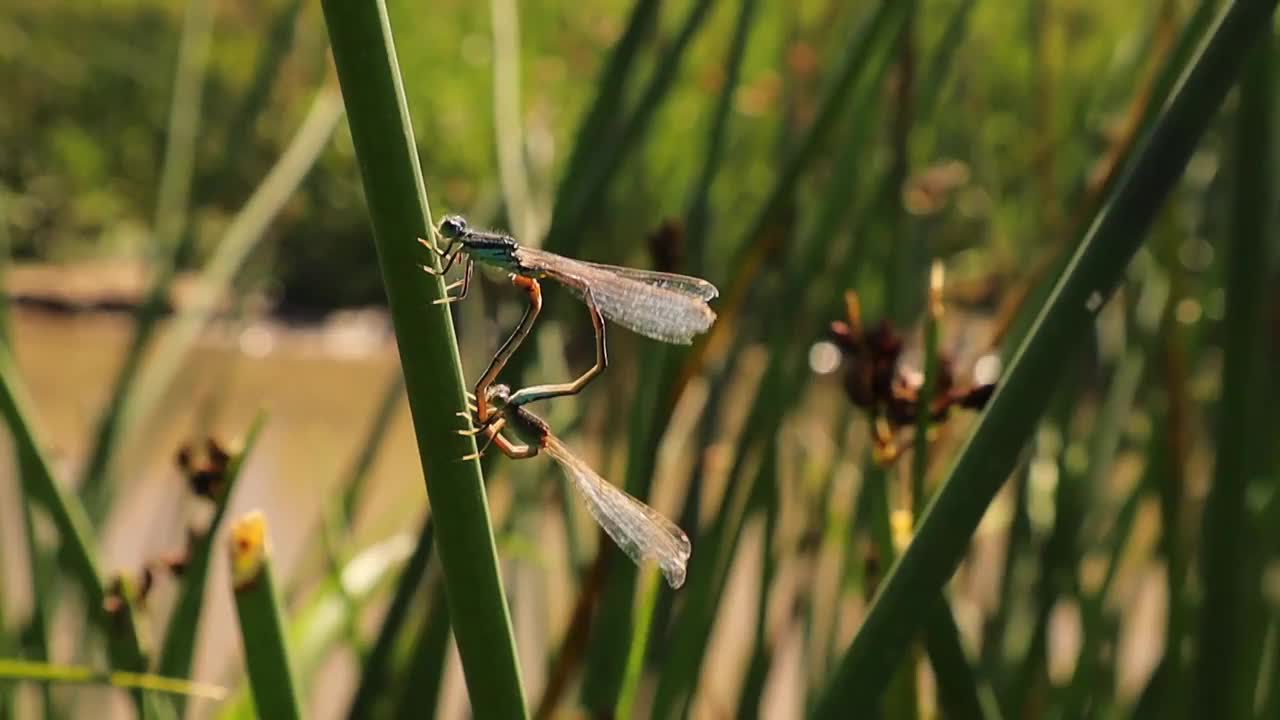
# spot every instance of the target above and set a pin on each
(663, 306)
(640, 531)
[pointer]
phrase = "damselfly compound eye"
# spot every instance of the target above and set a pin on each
(453, 226)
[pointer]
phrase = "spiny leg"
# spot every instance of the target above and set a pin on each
(513, 451)
(464, 283)
(491, 432)
(534, 291)
(449, 260)
(494, 423)
(542, 392)
(448, 248)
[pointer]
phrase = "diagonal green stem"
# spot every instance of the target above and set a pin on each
(991, 453)
(171, 213)
(369, 73)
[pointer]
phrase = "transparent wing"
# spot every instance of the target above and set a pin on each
(638, 529)
(683, 284)
(666, 307)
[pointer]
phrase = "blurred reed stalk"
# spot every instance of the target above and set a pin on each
(244, 234)
(172, 199)
(1228, 577)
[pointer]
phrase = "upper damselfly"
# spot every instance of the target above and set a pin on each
(663, 306)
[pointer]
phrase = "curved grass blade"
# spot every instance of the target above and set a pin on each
(242, 236)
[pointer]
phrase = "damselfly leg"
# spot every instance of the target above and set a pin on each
(543, 392)
(539, 392)
(464, 283)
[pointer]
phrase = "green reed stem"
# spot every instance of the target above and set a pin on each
(369, 73)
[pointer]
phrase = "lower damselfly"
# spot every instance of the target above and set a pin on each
(639, 530)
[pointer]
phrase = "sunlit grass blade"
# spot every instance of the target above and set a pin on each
(990, 454)
(639, 644)
(504, 22)
(180, 637)
(698, 217)
(172, 199)
(246, 231)
(599, 121)
(780, 383)
(267, 664)
(369, 74)
(377, 664)
(25, 670)
(1227, 565)
(598, 174)
(419, 693)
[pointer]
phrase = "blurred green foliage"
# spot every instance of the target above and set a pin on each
(81, 159)
(860, 142)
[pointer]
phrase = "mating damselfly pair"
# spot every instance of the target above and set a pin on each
(663, 306)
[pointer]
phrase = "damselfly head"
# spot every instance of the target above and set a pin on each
(497, 395)
(453, 226)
